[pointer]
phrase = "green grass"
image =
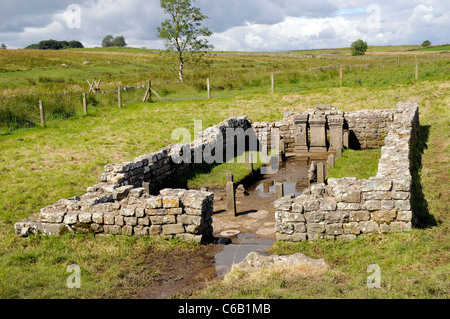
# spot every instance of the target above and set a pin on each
(360, 164)
(40, 166)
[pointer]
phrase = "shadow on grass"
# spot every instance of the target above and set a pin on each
(419, 203)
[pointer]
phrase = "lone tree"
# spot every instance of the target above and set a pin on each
(359, 47)
(110, 41)
(183, 35)
(3, 46)
(107, 41)
(426, 43)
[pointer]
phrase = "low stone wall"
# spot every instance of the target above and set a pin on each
(127, 211)
(346, 208)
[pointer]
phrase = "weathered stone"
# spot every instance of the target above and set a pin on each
(173, 229)
(155, 230)
(56, 217)
(314, 217)
(112, 230)
(156, 212)
(373, 205)
(154, 202)
(162, 220)
(121, 192)
(405, 216)
(403, 205)
(297, 208)
(71, 219)
(171, 202)
(131, 221)
(328, 206)
(96, 228)
(256, 260)
(395, 227)
(351, 228)
(402, 185)
(85, 218)
(175, 211)
(119, 221)
(347, 195)
(401, 195)
(127, 230)
(337, 217)
(334, 229)
(369, 227)
(387, 204)
(190, 220)
(97, 218)
(359, 216)
(377, 195)
(194, 212)
(139, 212)
(300, 228)
(284, 228)
(311, 205)
(127, 212)
(287, 217)
(376, 185)
(284, 203)
(109, 217)
(137, 192)
(349, 206)
(141, 231)
(315, 228)
(384, 215)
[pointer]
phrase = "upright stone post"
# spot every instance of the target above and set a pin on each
(231, 196)
(279, 190)
(320, 173)
(301, 133)
(42, 113)
(346, 141)
(84, 104)
(330, 161)
(317, 124)
(249, 161)
(336, 125)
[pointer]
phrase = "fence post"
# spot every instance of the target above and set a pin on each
(272, 78)
(119, 96)
(208, 87)
(341, 75)
(231, 196)
(417, 69)
(42, 113)
(84, 104)
(148, 92)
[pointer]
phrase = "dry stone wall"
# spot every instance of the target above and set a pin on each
(346, 208)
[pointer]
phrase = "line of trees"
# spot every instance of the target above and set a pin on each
(56, 45)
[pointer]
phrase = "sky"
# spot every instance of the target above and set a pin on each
(238, 25)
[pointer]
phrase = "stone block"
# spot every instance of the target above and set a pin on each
(337, 217)
(401, 195)
(127, 230)
(85, 218)
(119, 221)
(300, 228)
(314, 217)
(173, 229)
(403, 205)
(141, 231)
(311, 205)
(405, 216)
(112, 230)
(373, 205)
(284, 228)
(71, 219)
(190, 220)
(55, 217)
(171, 202)
(395, 227)
(297, 208)
(351, 228)
(109, 217)
(194, 212)
(154, 202)
(387, 204)
(287, 217)
(349, 206)
(144, 221)
(376, 185)
(98, 218)
(347, 195)
(156, 212)
(284, 203)
(328, 206)
(402, 185)
(334, 229)
(127, 212)
(377, 195)
(162, 220)
(315, 228)
(156, 230)
(384, 215)
(121, 192)
(131, 221)
(369, 227)
(359, 216)
(139, 212)
(175, 211)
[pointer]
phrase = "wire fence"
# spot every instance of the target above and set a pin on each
(23, 110)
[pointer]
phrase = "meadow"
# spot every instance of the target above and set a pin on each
(39, 166)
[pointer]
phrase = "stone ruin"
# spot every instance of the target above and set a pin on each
(139, 197)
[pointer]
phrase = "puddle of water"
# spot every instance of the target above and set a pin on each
(236, 252)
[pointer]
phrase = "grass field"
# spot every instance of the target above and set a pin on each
(39, 166)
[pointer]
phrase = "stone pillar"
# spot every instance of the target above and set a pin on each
(317, 124)
(279, 191)
(346, 142)
(336, 125)
(301, 133)
(320, 173)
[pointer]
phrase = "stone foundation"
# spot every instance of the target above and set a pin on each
(346, 208)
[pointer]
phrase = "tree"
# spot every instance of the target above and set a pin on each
(3, 46)
(107, 41)
(359, 47)
(426, 43)
(183, 35)
(119, 42)
(50, 45)
(76, 45)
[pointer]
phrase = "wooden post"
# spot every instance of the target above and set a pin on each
(148, 93)
(42, 113)
(341, 75)
(272, 78)
(417, 69)
(84, 104)
(119, 96)
(231, 196)
(208, 86)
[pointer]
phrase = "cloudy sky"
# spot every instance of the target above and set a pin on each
(257, 25)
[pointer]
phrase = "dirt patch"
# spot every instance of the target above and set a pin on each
(181, 272)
